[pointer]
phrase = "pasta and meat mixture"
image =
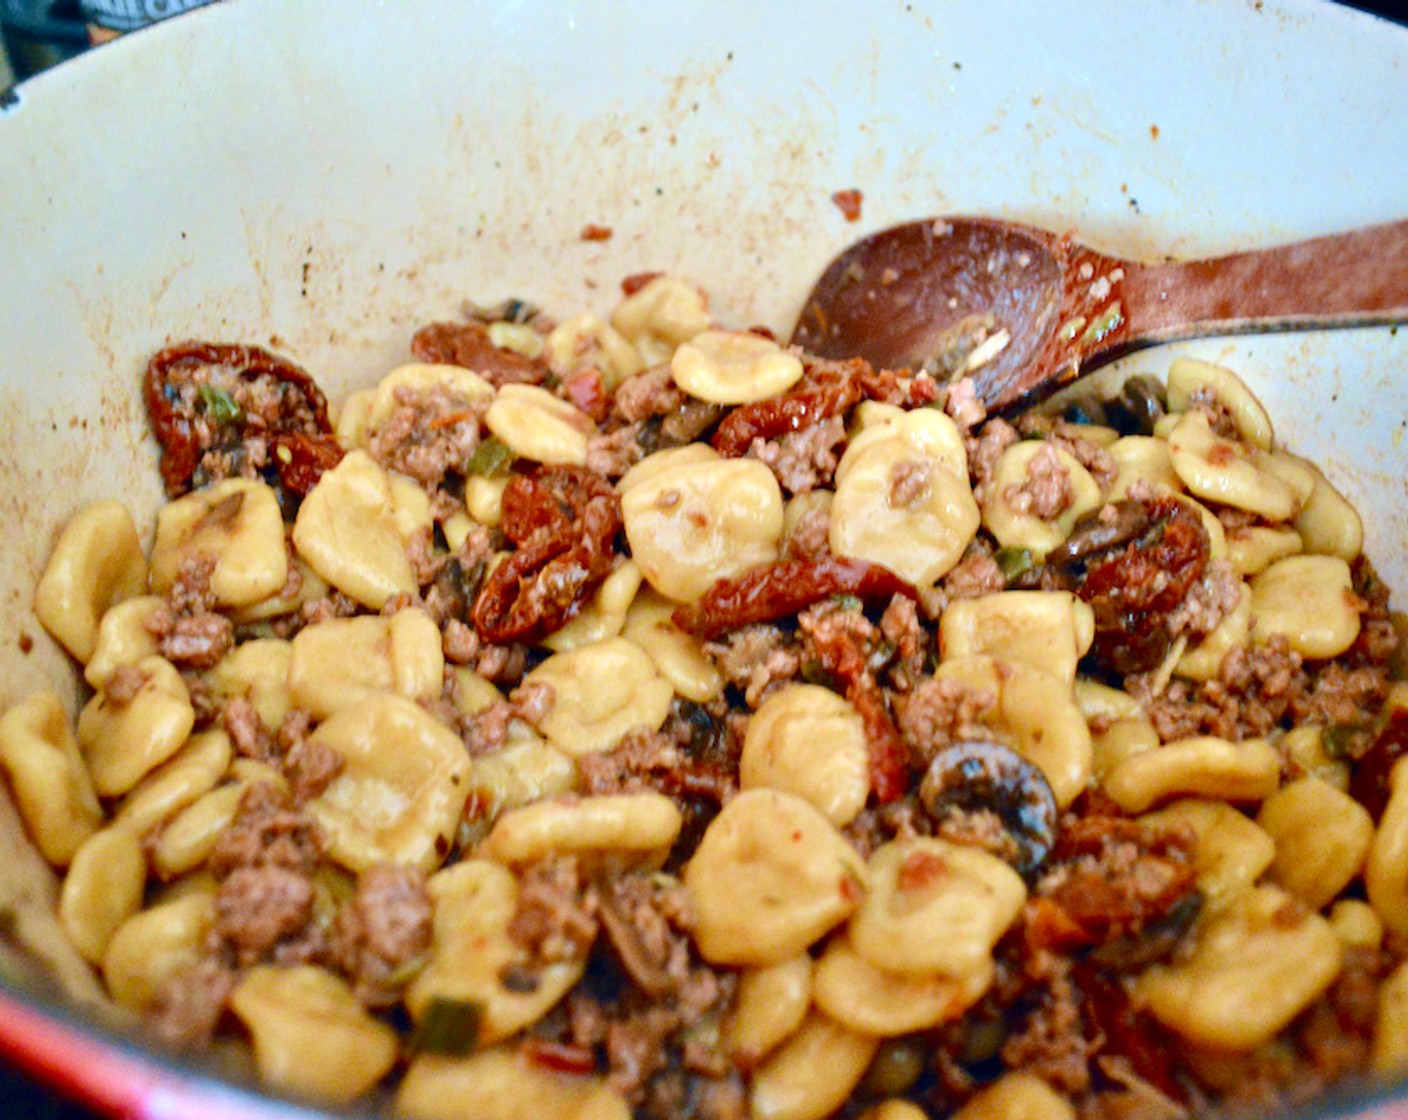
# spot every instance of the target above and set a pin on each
(637, 717)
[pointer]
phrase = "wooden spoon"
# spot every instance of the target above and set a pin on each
(927, 292)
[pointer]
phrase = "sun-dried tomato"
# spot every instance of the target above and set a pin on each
(564, 1057)
(1120, 877)
(633, 283)
(848, 201)
(776, 416)
(469, 345)
(206, 399)
(889, 777)
(1126, 1031)
(1133, 592)
(845, 661)
(564, 522)
(828, 388)
(301, 460)
(587, 390)
(771, 591)
(1368, 784)
(782, 588)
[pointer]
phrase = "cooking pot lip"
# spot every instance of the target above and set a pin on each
(107, 1071)
(58, 1044)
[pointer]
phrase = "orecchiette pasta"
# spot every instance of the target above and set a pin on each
(1017, 1096)
(502, 1084)
(1308, 600)
(103, 888)
(96, 562)
(733, 367)
(536, 425)
(125, 736)
(51, 785)
(472, 953)
(691, 523)
(1017, 517)
(807, 740)
(679, 657)
(238, 527)
(812, 1073)
(367, 411)
(178, 782)
(769, 878)
(401, 789)
(1233, 851)
(1051, 630)
(259, 671)
(935, 907)
(1205, 764)
(605, 615)
(599, 692)
(311, 1037)
(1191, 381)
(858, 994)
(353, 528)
(153, 946)
(525, 770)
(1322, 839)
(1386, 871)
(664, 313)
(900, 505)
(628, 828)
(1219, 470)
(341, 662)
(771, 1004)
(122, 638)
(1037, 712)
(586, 342)
(1256, 962)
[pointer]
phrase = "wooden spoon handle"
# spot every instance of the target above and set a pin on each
(1346, 279)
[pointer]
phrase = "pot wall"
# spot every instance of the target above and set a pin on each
(322, 177)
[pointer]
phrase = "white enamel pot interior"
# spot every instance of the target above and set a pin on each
(322, 177)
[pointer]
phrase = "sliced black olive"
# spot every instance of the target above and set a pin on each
(1154, 942)
(1139, 406)
(1087, 410)
(648, 438)
(448, 1026)
(897, 1065)
(1100, 530)
(459, 584)
(976, 775)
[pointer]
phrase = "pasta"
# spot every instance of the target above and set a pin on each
(633, 716)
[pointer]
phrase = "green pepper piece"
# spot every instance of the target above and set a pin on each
(449, 1027)
(491, 459)
(1014, 562)
(217, 404)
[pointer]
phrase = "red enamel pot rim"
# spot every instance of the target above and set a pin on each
(110, 1074)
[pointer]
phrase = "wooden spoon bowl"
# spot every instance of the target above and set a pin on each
(1024, 311)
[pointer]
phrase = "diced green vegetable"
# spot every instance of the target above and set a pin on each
(217, 404)
(813, 672)
(848, 602)
(1337, 737)
(1014, 562)
(490, 459)
(449, 1027)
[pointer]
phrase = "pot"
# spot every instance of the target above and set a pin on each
(323, 177)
